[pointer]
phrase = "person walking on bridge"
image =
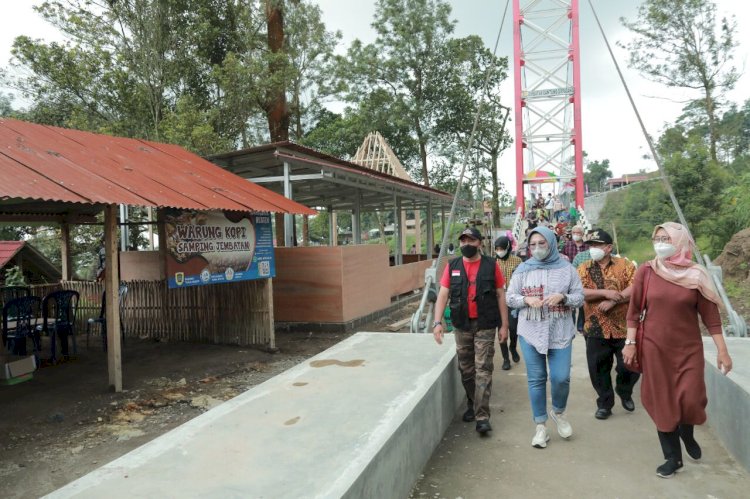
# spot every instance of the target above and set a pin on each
(508, 264)
(668, 294)
(476, 289)
(606, 287)
(545, 290)
(576, 244)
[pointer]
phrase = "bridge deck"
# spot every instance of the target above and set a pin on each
(612, 458)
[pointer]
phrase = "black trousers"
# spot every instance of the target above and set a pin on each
(512, 334)
(600, 354)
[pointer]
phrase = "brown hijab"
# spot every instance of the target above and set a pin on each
(679, 268)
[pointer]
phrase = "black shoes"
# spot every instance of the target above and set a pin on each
(514, 355)
(483, 426)
(469, 415)
(603, 413)
(691, 446)
(693, 449)
(668, 469)
(506, 364)
(628, 404)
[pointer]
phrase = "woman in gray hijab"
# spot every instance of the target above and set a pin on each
(545, 290)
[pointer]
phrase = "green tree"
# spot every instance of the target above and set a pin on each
(465, 76)
(596, 174)
(677, 43)
(310, 48)
(416, 64)
(342, 134)
(734, 133)
(14, 276)
(6, 106)
(151, 69)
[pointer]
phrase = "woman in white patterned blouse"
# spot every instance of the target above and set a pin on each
(546, 290)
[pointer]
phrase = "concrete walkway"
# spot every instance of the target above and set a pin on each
(616, 458)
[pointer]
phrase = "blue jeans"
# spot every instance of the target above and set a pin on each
(536, 372)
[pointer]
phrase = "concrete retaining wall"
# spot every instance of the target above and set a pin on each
(358, 420)
(729, 398)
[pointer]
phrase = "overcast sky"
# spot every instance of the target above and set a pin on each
(610, 129)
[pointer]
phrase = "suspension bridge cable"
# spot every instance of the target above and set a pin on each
(470, 142)
(657, 158)
(415, 322)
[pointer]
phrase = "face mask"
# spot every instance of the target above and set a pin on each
(501, 254)
(469, 251)
(664, 250)
(577, 238)
(540, 253)
(596, 254)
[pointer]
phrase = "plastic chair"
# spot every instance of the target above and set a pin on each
(9, 293)
(102, 319)
(59, 310)
(24, 312)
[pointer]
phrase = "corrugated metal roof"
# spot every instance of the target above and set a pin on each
(50, 164)
(8, 250)
(334, 161)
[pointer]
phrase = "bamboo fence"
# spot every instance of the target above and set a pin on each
(237, 313)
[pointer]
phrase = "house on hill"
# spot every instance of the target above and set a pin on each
(614, 183)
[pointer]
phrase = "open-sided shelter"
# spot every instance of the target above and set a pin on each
(56, 175)
(336, 287)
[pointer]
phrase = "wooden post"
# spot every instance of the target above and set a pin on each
(161, 231)
(614, 234)
(280, 234)
(428, 228)
(150, 211)
(65, 252)
(111, 287)
(418, 230)
(271, 325)
(399, 237)
(333, 227)
(404, 230)
(305, 230)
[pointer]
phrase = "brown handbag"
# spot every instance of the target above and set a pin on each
(637, 366)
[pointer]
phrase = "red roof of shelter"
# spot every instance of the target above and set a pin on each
(49, 164)
(8, 250)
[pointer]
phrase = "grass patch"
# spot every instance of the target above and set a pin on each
(734, 289)
(638, 251)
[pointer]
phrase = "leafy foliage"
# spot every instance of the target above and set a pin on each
(425, 78)
(14, 276)
(713, 196)
(596, 174)
(680, 43)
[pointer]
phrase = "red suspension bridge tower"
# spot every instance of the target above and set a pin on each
(547, 97)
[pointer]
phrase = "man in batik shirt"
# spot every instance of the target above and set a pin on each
(606, 281)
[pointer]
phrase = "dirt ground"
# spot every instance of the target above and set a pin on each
(735, 256)
(65, 423)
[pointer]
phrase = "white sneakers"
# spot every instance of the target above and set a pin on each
(541, 437)
(563, 426)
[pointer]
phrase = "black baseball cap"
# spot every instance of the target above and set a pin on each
(599, 236)
(471, 232)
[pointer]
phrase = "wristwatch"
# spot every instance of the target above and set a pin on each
(630, 342)
(436, 324)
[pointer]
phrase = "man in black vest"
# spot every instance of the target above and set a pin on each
(476, 288)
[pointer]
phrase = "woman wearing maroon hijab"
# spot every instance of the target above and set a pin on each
(673, 390)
